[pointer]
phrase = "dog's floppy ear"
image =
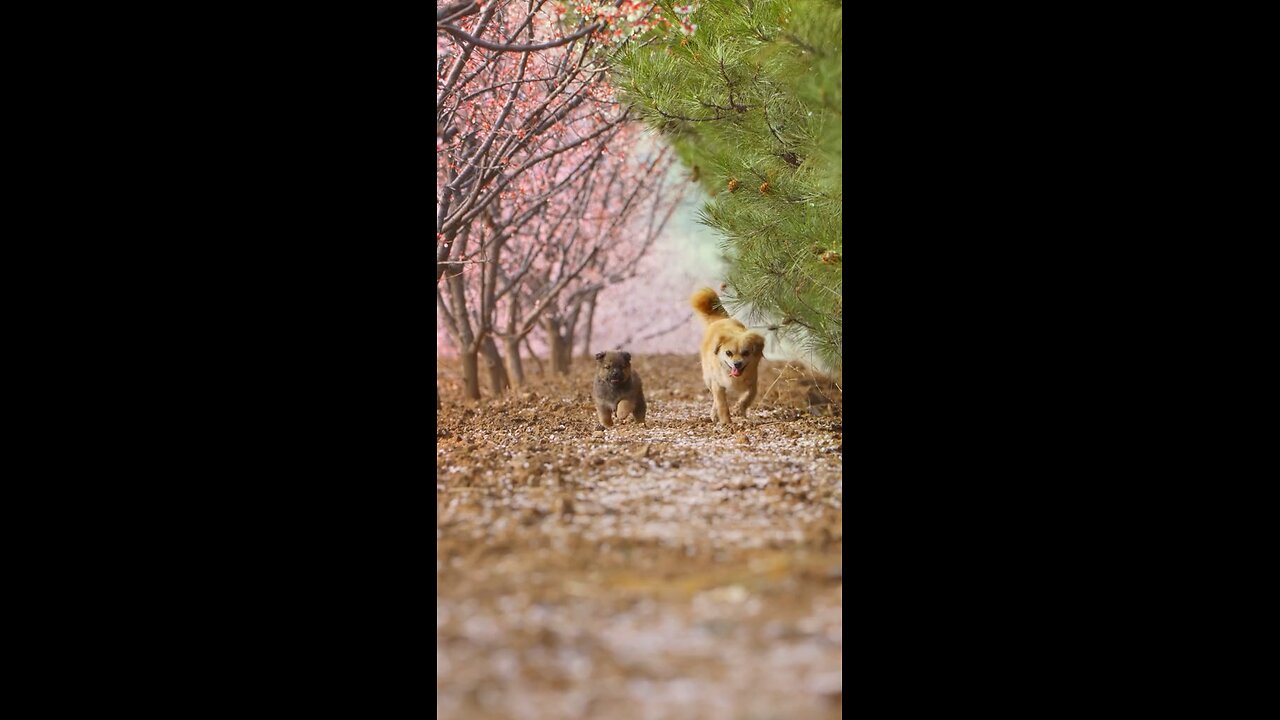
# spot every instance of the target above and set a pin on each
(599, 356)
(626, 357)
(757, 344)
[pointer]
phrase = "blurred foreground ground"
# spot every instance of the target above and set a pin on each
(674, 570)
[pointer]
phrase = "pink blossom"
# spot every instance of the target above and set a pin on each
(563, 208)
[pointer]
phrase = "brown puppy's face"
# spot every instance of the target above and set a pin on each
(738, 352)
(613, 367)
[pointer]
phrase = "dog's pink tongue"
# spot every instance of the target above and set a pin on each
(735, 371)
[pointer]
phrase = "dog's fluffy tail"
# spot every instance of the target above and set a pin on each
(707, 304)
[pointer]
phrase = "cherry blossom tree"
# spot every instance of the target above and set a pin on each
(627, 206)
(534, 182)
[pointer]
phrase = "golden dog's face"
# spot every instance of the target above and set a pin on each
(738, 352)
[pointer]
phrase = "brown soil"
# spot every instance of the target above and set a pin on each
(671, 570)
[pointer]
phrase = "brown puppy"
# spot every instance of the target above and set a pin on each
(617, 388)
(730, 356)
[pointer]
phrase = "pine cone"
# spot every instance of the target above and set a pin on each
(830, 257)
(764, 187)
(733, 184)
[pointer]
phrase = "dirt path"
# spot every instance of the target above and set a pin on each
(673, 570)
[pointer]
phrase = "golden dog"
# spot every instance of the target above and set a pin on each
(730, 356)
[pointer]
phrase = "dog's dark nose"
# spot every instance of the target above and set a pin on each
(739, 365)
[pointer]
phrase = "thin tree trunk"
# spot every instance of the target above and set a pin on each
(555, 344)
(570, 336)
(591, 316)
(498, 380)
(528, 346)
(465, 339)
(514, 366)
(470, 372)
(566, 349)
